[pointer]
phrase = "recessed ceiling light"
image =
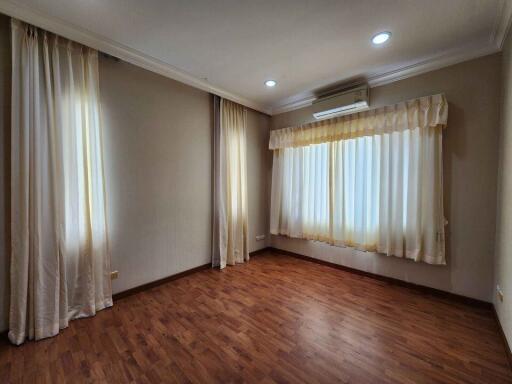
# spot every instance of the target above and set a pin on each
(381, 38)
(270, 83)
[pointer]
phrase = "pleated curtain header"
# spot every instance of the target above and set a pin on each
(424, 112)
(29, 31)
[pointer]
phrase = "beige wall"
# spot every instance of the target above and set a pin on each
(470, 172)
(503, 258)
(158, 137)
(5, 121)
(157, 144)
(258, 163)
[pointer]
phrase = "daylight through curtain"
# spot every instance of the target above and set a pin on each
(60, 266)
(372, 181)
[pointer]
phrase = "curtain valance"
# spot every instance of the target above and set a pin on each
(424, 112)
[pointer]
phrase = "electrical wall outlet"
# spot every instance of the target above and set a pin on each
(114, 275)
(499, 292)
(260, 237)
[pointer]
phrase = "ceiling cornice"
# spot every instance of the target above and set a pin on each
(424, 66)
(118, 50)
(502, 24)
(101, 43)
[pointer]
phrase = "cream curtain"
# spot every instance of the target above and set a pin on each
(372, 180)
(230, 242)
(60, 268)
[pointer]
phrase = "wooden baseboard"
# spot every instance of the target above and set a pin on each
(503, 337)
(259, 252)
(4, 335)
(156, 283)
(390, 280)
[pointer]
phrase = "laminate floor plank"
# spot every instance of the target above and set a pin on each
(276, 319)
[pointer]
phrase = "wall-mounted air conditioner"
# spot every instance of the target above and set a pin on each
(342, 103)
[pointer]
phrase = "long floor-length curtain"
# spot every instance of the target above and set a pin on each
(372, 181)
(230, 241)
(60, 266)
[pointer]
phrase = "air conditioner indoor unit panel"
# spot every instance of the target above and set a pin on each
(342, 103)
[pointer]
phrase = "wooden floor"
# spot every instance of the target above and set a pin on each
(276, 319)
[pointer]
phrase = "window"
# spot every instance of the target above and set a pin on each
(373, 189)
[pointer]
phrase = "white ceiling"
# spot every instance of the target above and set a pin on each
(231, 47)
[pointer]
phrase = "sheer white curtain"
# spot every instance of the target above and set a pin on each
(60, 266)
(230, 241)
(375, 183)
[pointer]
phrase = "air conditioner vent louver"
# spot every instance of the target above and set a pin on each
(342, 103)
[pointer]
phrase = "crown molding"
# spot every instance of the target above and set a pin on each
(113, 48)
(430, 64)
(299, 102)
(130, 55)
(502, 24)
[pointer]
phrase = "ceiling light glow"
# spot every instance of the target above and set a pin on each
(381, 38)
(270, 83)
